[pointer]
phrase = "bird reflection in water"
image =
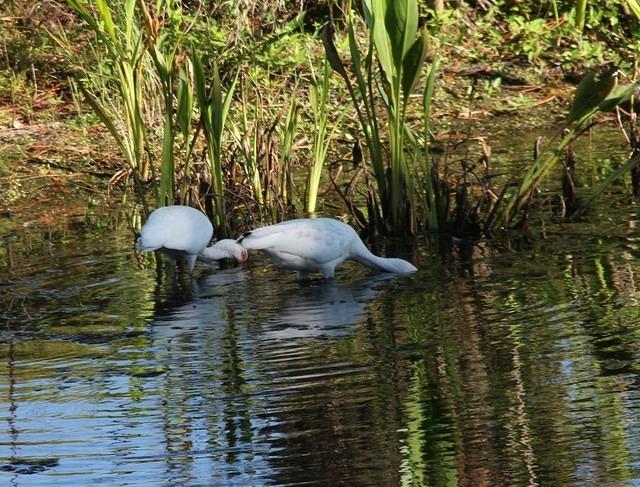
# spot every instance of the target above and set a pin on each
(323, 308)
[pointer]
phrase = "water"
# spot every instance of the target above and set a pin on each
(515, 363)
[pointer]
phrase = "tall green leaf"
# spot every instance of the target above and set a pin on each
(401, 21)
(184, 112)
(592, 90)
(412, 64)
(634, 6)
(381, 40)
(332, 53)
(107, 20)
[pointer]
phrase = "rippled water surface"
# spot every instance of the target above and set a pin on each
(512, 364)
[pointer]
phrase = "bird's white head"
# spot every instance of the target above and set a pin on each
(401, 266)
(226, 249)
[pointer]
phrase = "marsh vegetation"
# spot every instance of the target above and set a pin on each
(256, 113)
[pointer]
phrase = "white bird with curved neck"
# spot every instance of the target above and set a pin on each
(308, 245)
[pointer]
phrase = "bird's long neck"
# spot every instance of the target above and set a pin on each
(360, 253)
(215, 253)
(225, 249)
(221, 250)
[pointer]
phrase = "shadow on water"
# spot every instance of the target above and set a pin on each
(505, 364)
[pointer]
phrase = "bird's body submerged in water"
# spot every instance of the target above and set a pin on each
(184, 230)
(317, 245)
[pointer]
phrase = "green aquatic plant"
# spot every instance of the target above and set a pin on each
(319, 101)
(400, 51)
(399, 47)
(288, 136)
(597, 93)
(247, 137)
(431, 200)
(264, 139)
(163, 50)
(214, 108)
(142, 45)
(122, 38)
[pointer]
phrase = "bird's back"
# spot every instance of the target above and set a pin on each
(176, 228)
(318, 239)
(305, 244)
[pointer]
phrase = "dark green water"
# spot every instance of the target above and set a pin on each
(517, 363)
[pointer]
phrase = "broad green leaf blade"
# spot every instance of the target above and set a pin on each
(591, 91)
(107, 20)
(227, 100)
(129, 22)
(357, 64)
(201, 87)
(382, 41)
(331, 52)
(401, 21)
(216, 103)
(428, 96)
(367, 13)
(412, 65)
(634, 6)
(185, 105)
(619, 94)
(167, 170)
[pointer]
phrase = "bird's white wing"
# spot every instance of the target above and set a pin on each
(320, 240)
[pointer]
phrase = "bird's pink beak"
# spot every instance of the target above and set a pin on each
(244, 256)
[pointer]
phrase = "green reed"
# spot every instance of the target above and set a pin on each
(430, 198)
(398, 46)
(143, 56)
(124, 43)
(214, 108)
(265, 144)
(319, 101)
(288, 136)
(248, 140)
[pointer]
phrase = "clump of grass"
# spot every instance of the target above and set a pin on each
(322, 135)
(146, 56)
(214, 108)
(123, 41)
(396, 45)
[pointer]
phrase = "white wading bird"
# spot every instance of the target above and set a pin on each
(317, 245)
(187, 231)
